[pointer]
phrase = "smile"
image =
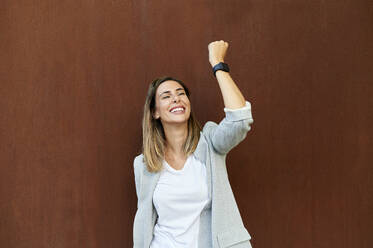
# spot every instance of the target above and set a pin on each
(177, 110)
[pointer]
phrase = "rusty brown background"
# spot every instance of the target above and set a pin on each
(73, 79)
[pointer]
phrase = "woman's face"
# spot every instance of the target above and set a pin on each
(171, 103)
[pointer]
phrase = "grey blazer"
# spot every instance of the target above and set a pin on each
(221, 224)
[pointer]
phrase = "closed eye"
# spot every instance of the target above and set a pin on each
(182, 93)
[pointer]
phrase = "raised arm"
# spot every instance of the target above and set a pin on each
(232, 96)
(238, 118)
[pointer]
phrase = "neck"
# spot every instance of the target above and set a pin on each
(175, 138)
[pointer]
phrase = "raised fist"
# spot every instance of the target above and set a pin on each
(217, 51)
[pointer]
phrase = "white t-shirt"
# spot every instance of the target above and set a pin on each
(179, 198)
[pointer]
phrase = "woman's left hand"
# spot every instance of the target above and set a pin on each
(217, 51)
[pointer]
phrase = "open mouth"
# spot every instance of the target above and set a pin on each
(178, 110)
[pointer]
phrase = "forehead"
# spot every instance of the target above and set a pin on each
(168, 85)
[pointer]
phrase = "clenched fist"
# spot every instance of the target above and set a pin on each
(217, 51)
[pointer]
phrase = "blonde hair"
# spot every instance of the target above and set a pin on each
(154, 139)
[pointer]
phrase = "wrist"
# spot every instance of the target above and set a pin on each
(215, 62)
(221, 66)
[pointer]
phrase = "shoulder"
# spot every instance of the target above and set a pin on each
(208, 128)
(139, 158)
(138, 162)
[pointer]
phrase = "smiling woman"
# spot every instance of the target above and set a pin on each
(173, 175)
(165, 94)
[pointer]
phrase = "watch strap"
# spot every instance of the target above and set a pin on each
(220, 66)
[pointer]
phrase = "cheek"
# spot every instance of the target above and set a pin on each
(186, 99)
(163, 107)
(188, 102)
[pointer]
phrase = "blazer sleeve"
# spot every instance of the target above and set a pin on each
(231, 130)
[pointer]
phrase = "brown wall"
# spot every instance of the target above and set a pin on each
(73, 79)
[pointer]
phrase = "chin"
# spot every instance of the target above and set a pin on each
(179, 121)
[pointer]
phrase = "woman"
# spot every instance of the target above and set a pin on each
(182, 186)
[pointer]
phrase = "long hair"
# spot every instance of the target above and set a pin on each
(154, 139)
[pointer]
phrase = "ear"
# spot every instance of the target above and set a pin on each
(155, 114)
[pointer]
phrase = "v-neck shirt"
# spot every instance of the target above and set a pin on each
(179, 198)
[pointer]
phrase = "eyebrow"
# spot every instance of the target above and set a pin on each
(167, 91)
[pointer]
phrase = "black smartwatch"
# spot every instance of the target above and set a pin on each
(220, 66)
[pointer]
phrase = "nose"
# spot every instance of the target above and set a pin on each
(176, 98)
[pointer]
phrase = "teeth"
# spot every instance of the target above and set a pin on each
(177, 109)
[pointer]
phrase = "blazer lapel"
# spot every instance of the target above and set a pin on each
(201, 150)
(202, 154)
